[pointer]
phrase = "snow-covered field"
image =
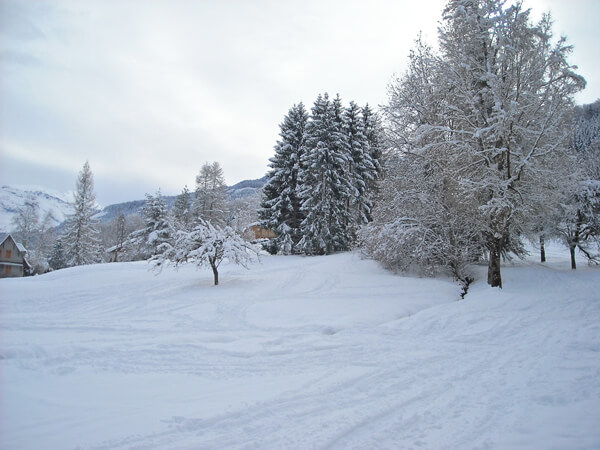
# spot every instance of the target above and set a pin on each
(324, 352)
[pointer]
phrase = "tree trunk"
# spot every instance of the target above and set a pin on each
(494, 277)
(542, 250)
(215, 272)
(575, 241)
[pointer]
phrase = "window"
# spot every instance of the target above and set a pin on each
(8, 253)
(8, 269)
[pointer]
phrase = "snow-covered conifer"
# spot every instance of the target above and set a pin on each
(325, 181)
(363, 169)
(210, 202)
(372, 130)
(80, 239)
(182, 209)
(280, 208)
(156, 237)
(57, 258)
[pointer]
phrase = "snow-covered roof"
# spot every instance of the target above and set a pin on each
(5, 236)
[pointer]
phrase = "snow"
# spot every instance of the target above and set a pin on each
(300, 352)
(15, 196)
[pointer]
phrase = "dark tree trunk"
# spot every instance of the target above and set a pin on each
(576, 239)
(542, 250)
(494, 277)
(213, 266)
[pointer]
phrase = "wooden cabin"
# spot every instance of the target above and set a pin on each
(259, 232)
(13, 261)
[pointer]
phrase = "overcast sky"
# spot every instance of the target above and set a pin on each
(148, 91)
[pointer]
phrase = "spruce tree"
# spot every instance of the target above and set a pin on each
(56, 258)
(326, 185)
(362, 167)
(280, 207)
(157, 235)
(81, 242)
(372, 130)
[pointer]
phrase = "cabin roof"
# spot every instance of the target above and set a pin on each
(5, 236)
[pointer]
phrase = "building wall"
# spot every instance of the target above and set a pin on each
(10, 270)
(262, 233)
(9, 253)
(15, 255)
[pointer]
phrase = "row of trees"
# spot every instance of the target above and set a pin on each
(322, 182)
(479, 154)
(196, 230)
(575, 216)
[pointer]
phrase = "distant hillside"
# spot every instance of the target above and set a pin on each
(12, 198)
(255, 184)
(246, 188)
(59, 203)
(110, 212)
(242, 189)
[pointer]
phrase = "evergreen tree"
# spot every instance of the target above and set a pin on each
(182, 209)
(280, 207)
(373, 133)
(57, 258)
(157, 235)
(80, 240)
(210, 203)
(325, 181)
(362, 167)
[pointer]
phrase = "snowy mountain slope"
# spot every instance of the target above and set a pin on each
(14, 197)
(299, 353)
(246, 188)
(243, 189)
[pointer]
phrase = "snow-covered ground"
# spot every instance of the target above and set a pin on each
(323, 352)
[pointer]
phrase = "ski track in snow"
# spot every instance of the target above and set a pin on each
(325, 352)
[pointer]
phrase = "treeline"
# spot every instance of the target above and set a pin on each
(322, 184)
(151, 235)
